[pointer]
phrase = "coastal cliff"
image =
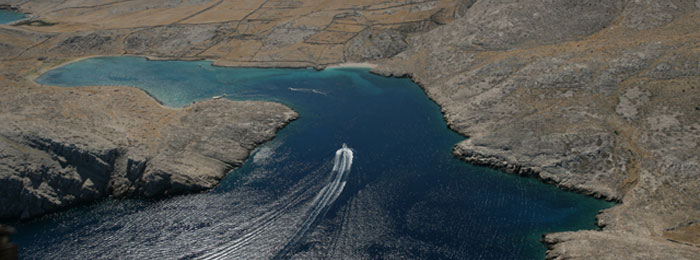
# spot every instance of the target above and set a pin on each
(64, 146)
(605, 104)
(599, 97)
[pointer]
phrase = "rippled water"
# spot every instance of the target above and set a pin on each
(395, 191)
(7, 16)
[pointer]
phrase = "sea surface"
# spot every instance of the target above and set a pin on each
(364, 173)
(7, 16)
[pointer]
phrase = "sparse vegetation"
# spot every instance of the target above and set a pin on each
(35, 22)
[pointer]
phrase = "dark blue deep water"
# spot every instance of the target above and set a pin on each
(396, 193)
(7, 16)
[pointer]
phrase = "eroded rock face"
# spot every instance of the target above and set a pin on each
(52, 158)
(497, 25)
(176, 40)
(562, 92)
(90, 42)
(370, 45)
(646, 14)
(607, 245)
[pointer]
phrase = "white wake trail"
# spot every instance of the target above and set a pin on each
(263, 223)
(308, 90)
(342, 163)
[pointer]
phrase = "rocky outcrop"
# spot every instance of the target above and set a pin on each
(52, 158)
(497, 25)
(171, 41)
(82, 43)
(369, 45)
(603, 104)
(609, 245)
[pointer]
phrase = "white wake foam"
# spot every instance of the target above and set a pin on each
(342, 163)
(309, 90)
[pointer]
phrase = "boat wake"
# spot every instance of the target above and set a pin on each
(324, 199)
(308, 90)
(261, 225)
(321, 203)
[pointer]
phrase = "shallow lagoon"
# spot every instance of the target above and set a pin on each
(404, 195)
(7, 16)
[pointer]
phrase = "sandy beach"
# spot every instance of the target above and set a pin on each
(352, 65)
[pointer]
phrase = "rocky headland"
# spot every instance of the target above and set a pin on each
(64, 146)
(599, 97)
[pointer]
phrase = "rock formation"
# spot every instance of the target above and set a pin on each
(63, 146)
(604, 104)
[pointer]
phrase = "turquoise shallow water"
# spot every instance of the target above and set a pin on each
(395, 193)
(10, 16)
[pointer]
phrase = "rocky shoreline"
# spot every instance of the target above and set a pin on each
(503, 164)
(500, 161)
(587, 110)
(142, 150)
(605, 105)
